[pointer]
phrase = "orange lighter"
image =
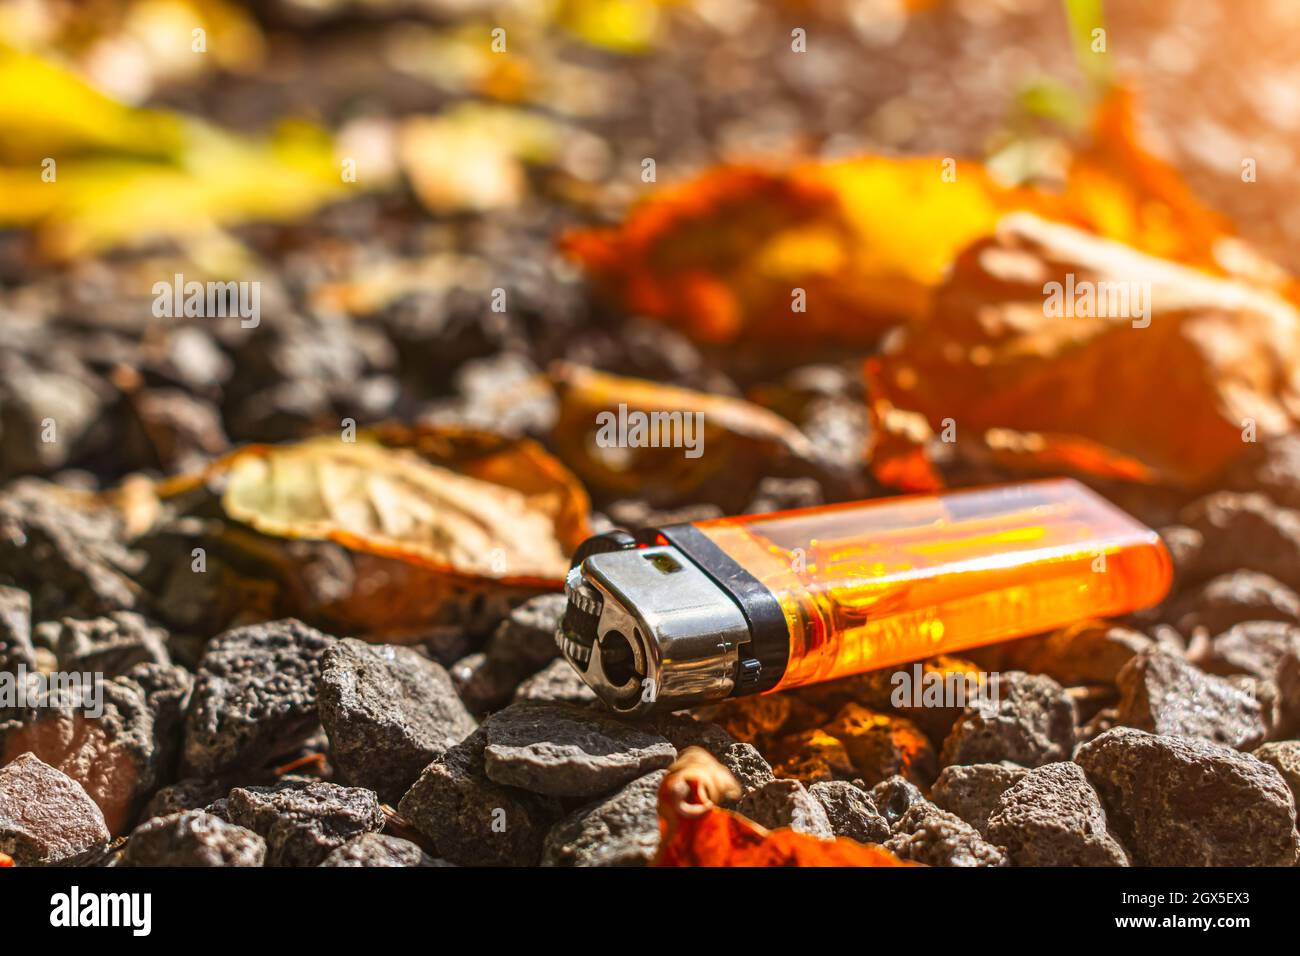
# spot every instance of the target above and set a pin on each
(690, 613)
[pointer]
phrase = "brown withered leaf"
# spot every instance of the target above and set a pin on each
(1160, 395)
(712, 447)
(694, 831)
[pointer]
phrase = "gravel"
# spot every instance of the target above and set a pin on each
(254, 696)
(1183, 801)
(388, 711)
(121, 756)
(786, 803)
(472, 820)
(895, 797)
(557, 681)
(1284, 757)
(1235, 598)
(111, 645)
(1165, 694)
(620, 830)
(45, 815)
(926, 834)
(972, 791)
(851, 811)
(379, 849)
(880, 745)
(1091, 652)
(1255, 648)
(564, 750)
(193, 838)
(1249, 532)
(1031, 723)
(16, 631)
(1052, 817)
(303, 822)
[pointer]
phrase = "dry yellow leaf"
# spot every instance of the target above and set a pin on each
(392, 502)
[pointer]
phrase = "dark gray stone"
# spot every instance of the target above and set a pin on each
(935, 837)
(1053, 817)
(472, 820)
(111, 645)
(482, 685)
(65, 554)
(254, 696)
(1254, 648)
(556, 681)
(1245, 531)
(786, 803)
(972, 791)
(620, 830)
(1233, 598)
(379, 849)
(389, 711)
(45, 815)
(1032, 723)
(850, 811)
(192, 793)
(1183, 801)
(1165, 694)
(193, 838)
(302, 822)
(895, 797)
(525, 641)
(568, 751)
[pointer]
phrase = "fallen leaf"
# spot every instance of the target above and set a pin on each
(1119, 190)
(728, 254)
(1160, 397)
(439, 525)
(625, 26)
(694, 831)
(706, 447)
(392, 502)
(861, 244)
(123, 174)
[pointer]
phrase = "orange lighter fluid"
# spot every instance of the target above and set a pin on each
(695, 612)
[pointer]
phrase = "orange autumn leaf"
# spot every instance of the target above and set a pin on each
(6, 860)
(1119, 190)
(728, 254)
(1155, 390)
(838, 252)
(694, 831)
